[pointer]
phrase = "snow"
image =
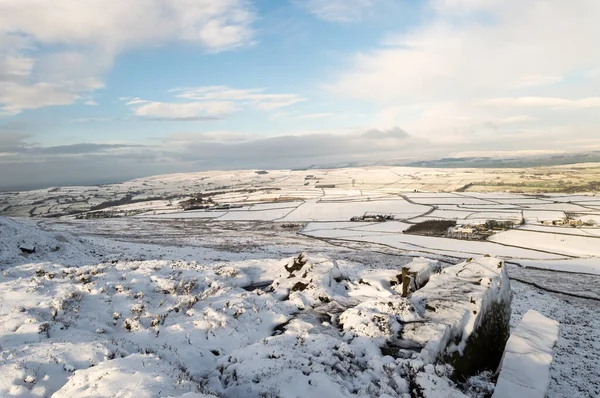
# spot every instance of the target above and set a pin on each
(135, 376)
(186, 215)
(379, 318)
(434, 245)
(314, 210)
(308, 282)
(395, 227)
(121, 325)
(377, 283)
(456, 200)
(48, 246)
(581, 246)
(424, 270)
(572, 198)
(539, 216)
(579, 231)
(569, 207)
(273, 206)
(577, 265)
(118, 326)
(310, 210)
(448, 214)
(256, 215)
(317, 226)
(497, 215)
(525, 370)
(522, 201)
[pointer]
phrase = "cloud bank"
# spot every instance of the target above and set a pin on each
(476, 62)
(26, 165)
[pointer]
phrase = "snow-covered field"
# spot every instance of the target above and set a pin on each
(566, 244)
(164, 193)
(427, 244)
(147, 299)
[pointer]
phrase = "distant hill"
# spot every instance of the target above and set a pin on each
(516, 162)
(476, 162)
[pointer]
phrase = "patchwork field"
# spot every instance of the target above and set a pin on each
(162, 193)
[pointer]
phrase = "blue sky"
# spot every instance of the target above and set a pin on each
(90, 92)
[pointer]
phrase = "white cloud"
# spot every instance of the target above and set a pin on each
(434, 80)
(92, 120)
(342, 10)
(62, 49)
(463, 6)
(213, 24)
(185, 111)
(213, 102)
(312, 116)
(15, 66)
(592, 74)
(308, 116)
(258, 97)
(17, 97)
(278, 102)
(521, 44)
(210, 136)
(516, 119)
(545, 102)
(536, 81)
(134, 101)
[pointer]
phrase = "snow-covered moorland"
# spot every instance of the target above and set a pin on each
(307, 325)
(278, 285)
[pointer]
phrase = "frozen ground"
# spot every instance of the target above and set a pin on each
(574, 372)
(166, 302)
(133, 295)
(156, 320)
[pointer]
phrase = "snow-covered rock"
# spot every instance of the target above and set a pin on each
(21, 242)
(423, 268)
(381, 319)
(310, 281)
(27, 247)
(466, 312)
(525, 370)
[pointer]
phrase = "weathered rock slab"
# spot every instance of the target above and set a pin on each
(525, 370)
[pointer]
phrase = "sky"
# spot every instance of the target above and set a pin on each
(94, 91)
